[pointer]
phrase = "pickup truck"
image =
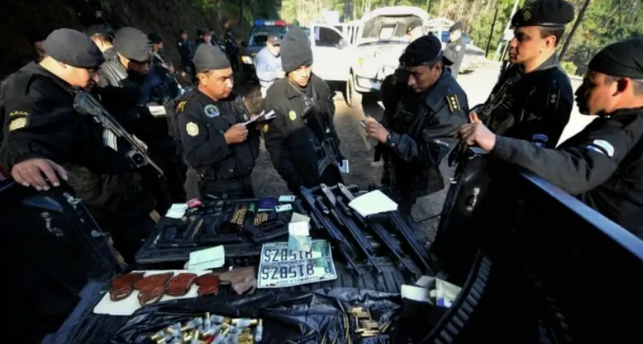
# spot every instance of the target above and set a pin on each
(376, 43)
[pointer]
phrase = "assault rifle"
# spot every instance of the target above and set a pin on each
(360, 239)
(136, 153)
(321, 223)
(377, 229)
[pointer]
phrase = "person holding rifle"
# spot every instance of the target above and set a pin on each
(47, 141)
(603, 163)
(533, 99)
(302, 140)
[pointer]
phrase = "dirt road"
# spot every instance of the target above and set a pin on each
(359, 149)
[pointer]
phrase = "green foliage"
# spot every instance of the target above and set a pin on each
(605, 21)
(569, 67)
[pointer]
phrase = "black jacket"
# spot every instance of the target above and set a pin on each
(535, 106)
(40, 122)
(421, 127)
(602, 164)
(454, 52)
(294, 142)
(202, 123)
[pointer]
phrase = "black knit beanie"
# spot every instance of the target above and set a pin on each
(295, 50)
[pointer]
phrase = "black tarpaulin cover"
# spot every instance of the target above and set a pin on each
(299, 318)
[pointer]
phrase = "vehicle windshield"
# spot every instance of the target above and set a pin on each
(388, 29)
(259, 36)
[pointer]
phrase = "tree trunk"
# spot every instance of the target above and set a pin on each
(581, 14)
(493, 26)
(240, 12)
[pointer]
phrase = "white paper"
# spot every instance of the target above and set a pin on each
(157, 110)
(424, 282)
(210, 258)
(177, 210)
(299, 228)
(412, 292)
(344, 167)
(286, 198)
(266, 116)
(374, 202)
(297, 217)
(283, 207)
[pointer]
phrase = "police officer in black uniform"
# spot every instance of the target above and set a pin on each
(216, 142)
(602, 164)
(42, 130)
(302, 140)
(423, 110)
(186, 50)
(455, 49)
(137, 92)
(533, 99)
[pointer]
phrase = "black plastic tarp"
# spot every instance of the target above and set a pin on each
(300, 318)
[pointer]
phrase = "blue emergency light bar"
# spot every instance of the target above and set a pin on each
(261, 22)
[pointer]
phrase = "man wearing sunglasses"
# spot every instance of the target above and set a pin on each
(602, 164)
(533, 99)
(47, 140)
(136, 91)
(424, 105)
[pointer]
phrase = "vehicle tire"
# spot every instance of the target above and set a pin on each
(350, 95)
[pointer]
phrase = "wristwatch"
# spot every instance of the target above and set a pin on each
(388, 141)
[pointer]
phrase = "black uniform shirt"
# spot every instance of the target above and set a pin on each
(454, 51)
(40, 122)
(535, 106)
(603, 164)
(203, 122)
(416, 154)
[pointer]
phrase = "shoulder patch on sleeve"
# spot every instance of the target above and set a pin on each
(18, 123)
(453, 102)
(603, 147)
(192, 129)
(181, 106)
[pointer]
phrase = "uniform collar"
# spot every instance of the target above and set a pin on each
(293, 91)
(625, 112)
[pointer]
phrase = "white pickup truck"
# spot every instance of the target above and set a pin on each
(377, 41)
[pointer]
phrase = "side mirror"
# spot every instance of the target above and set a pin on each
(243, 44)
(342, 44)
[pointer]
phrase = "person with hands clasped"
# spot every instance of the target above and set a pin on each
(603, 163)
(216, 141)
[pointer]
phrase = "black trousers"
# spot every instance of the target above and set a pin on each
(221, 188)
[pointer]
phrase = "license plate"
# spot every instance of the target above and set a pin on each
(281, 267)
